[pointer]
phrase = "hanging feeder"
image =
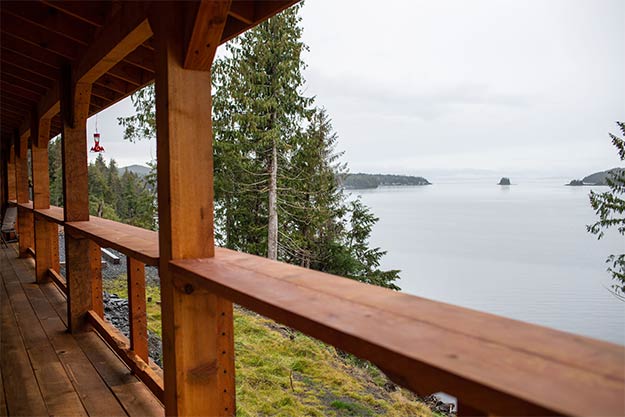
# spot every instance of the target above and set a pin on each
(96, 139)
(96, 143)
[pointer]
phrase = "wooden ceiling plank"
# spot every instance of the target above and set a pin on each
(24, 84)
(128, 29)
(17, 98)
(39, 37)
(243, 11)
(19, 90)
(29, 64)
(103, 92)
(8, 108)
(115, 84)
(51, 19)
(92, 12)
(31, 77)
(21, 47)
(262, 10)
(128, 73)
(206, 34)
(142, 57)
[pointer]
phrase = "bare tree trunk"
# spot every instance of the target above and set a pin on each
(272, 229)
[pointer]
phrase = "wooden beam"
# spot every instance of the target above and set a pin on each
(128, 29)
(199, 377)
(210, 21)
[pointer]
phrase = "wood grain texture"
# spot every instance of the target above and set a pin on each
(198, 377)
(120, 344)
(132, 394)
(23, 398)
(83, 275)
(55, 386)
(93, 392)
(11, 179)
(39, 156)
(136, 308)
(74, 110)
(490, 370)
(138, 243)
(26, 230)
(51, 214)
(206, 34)
(46, 247)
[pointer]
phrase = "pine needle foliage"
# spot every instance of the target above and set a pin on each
(609, 206)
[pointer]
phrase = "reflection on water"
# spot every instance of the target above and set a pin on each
(521, 251)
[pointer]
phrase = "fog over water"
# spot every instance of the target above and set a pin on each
(520, 251)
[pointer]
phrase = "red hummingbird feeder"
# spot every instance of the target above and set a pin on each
(96, 143)
(96, 139)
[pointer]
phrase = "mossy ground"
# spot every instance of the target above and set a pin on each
(281, 372)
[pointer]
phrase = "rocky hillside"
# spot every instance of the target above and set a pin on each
(282, 372)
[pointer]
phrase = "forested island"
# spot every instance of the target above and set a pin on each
(362, 181)
(598, 178)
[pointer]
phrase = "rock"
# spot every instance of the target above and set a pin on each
(504, 181)
(576, 183)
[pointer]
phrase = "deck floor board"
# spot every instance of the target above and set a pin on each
(46, 371)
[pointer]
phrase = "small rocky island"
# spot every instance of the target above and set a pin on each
(504, 181)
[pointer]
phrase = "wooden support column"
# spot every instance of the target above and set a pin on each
(24, 216)
(136, 308)
(11, 181)
(82, 256)
(198, 347)
(46, 233)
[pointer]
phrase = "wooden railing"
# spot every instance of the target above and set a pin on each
(493, 365)
(141, 248)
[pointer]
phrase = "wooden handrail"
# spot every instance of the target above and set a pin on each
(136, 242)
(127, 239)
(490, 363)
(495, 367)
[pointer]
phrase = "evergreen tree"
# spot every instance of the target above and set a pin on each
(55, 169)
(610, 208)
(259, 108)
(277, 174)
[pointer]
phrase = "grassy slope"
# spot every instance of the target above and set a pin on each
(285, 373)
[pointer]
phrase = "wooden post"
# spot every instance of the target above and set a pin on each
(136, 308)
(24, 216)
(198, 344)
(82, 256)
(46, 233)
(11, 182)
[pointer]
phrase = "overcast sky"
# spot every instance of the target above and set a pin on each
(441, 88)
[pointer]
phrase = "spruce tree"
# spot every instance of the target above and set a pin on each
(259, 108)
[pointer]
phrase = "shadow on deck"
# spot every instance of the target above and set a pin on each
(47, 371)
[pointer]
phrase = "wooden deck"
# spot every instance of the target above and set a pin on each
(46, 371)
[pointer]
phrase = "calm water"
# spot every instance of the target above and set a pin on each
(520, 251)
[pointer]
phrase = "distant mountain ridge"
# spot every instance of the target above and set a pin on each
(140, 170)
(598, 178)
(363, 181)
